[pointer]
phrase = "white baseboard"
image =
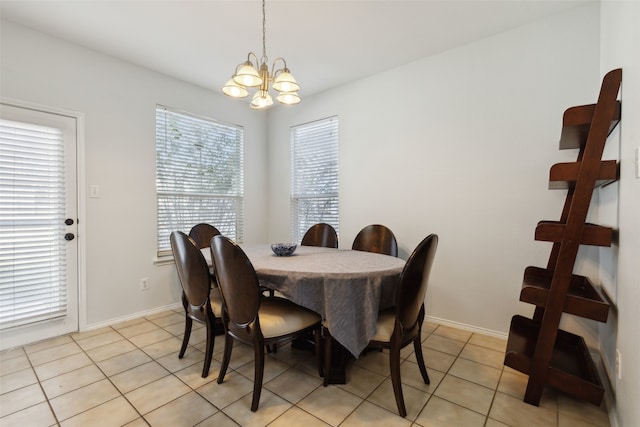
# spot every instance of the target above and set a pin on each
(609, 395)
(464, 326)
(131, 317)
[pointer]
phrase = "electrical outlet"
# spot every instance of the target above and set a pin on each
(144, 284)
(618, 364)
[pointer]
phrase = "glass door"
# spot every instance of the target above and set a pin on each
(38, 225)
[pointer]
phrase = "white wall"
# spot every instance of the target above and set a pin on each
(459, 144)
(620, 40)
(462, 149)
(118, 101)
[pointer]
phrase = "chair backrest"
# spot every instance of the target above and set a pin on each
(376, 238)
(192, 267)
(321, 234)
(238, 284)
(414, 280)
(202, 234)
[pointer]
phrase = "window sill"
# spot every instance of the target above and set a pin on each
(165, 260)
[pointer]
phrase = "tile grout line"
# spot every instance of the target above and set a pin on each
(95, 363)
(291, 364)
(493, 398)
(107, 376)
(468, 341)
(39, 380)
(170, 373)
(194, 390)
(55, 416)
(386, 377)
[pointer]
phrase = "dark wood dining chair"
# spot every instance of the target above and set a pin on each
(202, 234)
(201, 302)
(252, 319)
(320, 234)
(376, 238)
(402, 324)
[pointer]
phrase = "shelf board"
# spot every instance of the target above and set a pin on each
(594, 235)
(576, 122)
(565, 175)
(582, 299)
(571, 371)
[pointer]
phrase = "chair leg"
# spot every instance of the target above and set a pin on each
(211, 338)
(228, 346)
(187, 334)
(423, 369)
(257, 376)
(394, 365)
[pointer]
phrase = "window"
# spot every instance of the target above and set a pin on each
(199, 175)
(314, 175)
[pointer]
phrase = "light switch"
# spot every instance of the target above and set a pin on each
(94, 191)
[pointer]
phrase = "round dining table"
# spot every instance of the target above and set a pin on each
(346, 287)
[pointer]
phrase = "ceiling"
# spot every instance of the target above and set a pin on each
(325, 43)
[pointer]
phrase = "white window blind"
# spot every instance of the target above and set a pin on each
(33, 283)
(199, 166)
(314, 175)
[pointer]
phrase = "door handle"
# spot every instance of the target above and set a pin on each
(68, 221)
(69, 236)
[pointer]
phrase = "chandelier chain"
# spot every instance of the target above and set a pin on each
(264, 33)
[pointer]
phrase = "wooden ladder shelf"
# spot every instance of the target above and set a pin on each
(537, 347)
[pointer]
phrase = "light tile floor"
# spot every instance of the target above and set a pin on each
(130, 375)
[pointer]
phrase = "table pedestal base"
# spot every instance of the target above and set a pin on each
(340, 357)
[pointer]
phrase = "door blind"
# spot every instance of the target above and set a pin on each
(33, 284)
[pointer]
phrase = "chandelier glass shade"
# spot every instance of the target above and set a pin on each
(248, 76)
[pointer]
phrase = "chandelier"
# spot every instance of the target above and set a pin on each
(246, 76)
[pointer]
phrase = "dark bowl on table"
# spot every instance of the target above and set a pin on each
(284, 249)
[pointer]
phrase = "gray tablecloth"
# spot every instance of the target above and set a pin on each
(346, 287)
